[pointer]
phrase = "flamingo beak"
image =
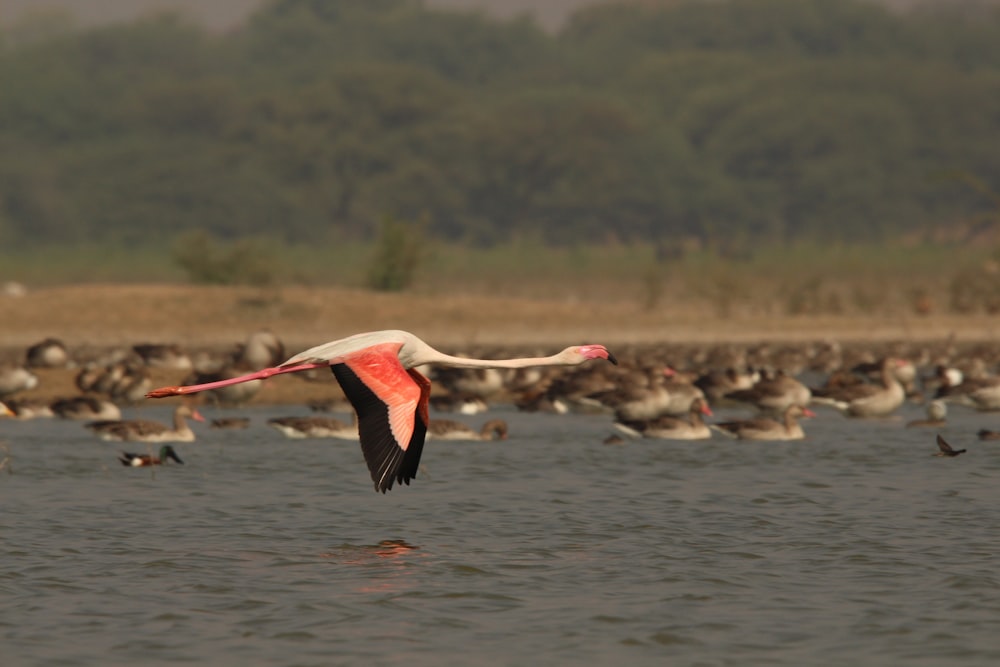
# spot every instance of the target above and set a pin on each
(597, 352)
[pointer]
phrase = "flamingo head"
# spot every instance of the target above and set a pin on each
(595, 352)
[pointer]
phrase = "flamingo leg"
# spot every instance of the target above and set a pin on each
(262, 374)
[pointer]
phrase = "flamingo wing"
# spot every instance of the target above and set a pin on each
(391, 403)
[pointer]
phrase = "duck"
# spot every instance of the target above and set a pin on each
(142, 430)
(987, 434)
(315, 427)
(867, 399)
(141, 460)
(937, 413)
(673, 428)
(446, 429)
(766, 428)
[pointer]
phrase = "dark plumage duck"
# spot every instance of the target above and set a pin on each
(946, 449)
(141, 460)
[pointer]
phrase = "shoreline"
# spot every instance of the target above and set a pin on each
(91, 319)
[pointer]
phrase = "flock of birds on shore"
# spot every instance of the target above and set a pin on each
(662, 392)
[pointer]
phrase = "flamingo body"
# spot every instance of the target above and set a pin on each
(377, 373)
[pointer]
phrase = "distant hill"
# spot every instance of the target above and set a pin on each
(223, 14)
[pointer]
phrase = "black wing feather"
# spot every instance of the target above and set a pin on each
(387, 461)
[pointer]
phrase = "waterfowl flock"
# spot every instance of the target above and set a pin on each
(651, 393)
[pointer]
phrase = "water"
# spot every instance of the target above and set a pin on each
(855, 546)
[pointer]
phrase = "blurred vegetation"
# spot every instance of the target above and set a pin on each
(398, 251)
(722, 126)
(207, 261)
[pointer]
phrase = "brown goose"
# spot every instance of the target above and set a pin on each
(673, 428)
(653, 395)
(142, 430)
(49, 353)
(716, 384)
(315, 427)
(29, 408)
(982, 393)
(15, 378)
(765, 428)
(86, 407)
(867, 399)
(774, 394)
(446, 429)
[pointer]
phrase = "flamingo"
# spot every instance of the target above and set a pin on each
(377, 371)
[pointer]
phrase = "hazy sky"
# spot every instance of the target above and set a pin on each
(225, 13)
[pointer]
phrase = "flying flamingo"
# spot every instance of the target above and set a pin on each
(377, 372)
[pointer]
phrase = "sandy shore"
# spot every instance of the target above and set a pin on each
(92, 317)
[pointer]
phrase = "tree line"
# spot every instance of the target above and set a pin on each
(729, 123)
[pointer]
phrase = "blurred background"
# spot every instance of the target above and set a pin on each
(801, 157)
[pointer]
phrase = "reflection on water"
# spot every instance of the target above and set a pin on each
(854, 545)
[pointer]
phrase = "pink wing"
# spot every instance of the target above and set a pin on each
(391, 403)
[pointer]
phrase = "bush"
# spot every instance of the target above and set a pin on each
(398, 253)
(210, 262)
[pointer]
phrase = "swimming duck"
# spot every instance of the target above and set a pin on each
(142, 460)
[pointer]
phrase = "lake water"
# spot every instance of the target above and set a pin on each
(855, 546)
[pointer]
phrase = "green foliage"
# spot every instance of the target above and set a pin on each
(731, 123)
(399, 249)
(210, 262)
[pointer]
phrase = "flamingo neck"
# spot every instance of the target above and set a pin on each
(463, 362)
